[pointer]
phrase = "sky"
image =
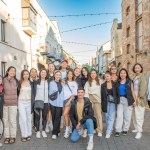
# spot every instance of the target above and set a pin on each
(96, 35)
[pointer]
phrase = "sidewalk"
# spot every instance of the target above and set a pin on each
(114, 143)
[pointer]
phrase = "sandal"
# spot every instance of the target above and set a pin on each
(28, 138)
(23, 139)
(12, 140)
(6, 141)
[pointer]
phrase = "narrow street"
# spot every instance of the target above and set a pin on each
(114, 143)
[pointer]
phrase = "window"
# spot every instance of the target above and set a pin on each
(128, 66)
(3, 68)
(139, 7)
(128, 48)
(139, 36)
(127, 10)
(128, 31)
(3, 23)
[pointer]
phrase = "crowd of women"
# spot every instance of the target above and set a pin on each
(43, 100)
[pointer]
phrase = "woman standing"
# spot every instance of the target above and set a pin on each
(33, 79)
(113, 71)
(93, 92)
(140, 89)
(41, 95)
(56, 97)
(51, 69)
(109, 98)
(85, 76)
(126, 102)
(77, 73)
(10, 105)
(1, 99)
(25, 105)
(148, 87)
(70, 91)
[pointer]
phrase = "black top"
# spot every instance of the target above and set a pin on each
(110, 91)
(84, 80)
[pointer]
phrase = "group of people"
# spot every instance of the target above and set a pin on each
(75, 98)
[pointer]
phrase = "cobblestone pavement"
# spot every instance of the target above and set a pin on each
(114, 143)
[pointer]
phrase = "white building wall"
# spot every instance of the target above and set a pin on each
(20, 45)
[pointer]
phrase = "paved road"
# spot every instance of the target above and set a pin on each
(114, 143)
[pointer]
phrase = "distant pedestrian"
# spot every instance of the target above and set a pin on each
(148, 87)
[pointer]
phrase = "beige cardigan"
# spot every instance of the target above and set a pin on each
(142, 90)
(94, 90)
(147, 77)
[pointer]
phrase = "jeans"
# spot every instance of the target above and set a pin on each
(56, 119)
(44, 117)
(89, 125)
(110, 117)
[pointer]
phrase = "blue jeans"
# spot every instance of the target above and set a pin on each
(89, 125)
(110, 117)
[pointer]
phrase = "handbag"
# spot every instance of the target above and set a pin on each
(110, 99)
(54, 95)
(39, 104)
(65, 101)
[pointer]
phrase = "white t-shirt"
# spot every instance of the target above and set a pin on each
(63, 75)
(40, 95)
(67, 92)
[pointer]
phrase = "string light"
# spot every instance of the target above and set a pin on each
(75, 15)
(87, 27)
(79, 43)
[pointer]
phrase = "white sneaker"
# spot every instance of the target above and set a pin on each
(38, 134)
(47, 129)
(1, 144)
(67, 133)
(134, 131)
(107, 136)
(84, 133)
(138, 135)
(90, 146)
(44, 134)
(54, 137)
(99, 134)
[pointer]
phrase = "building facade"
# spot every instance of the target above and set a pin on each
(104, 57)
(136, 33)
(116, 43)
(28, 38)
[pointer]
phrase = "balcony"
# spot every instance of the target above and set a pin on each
(29, 19)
